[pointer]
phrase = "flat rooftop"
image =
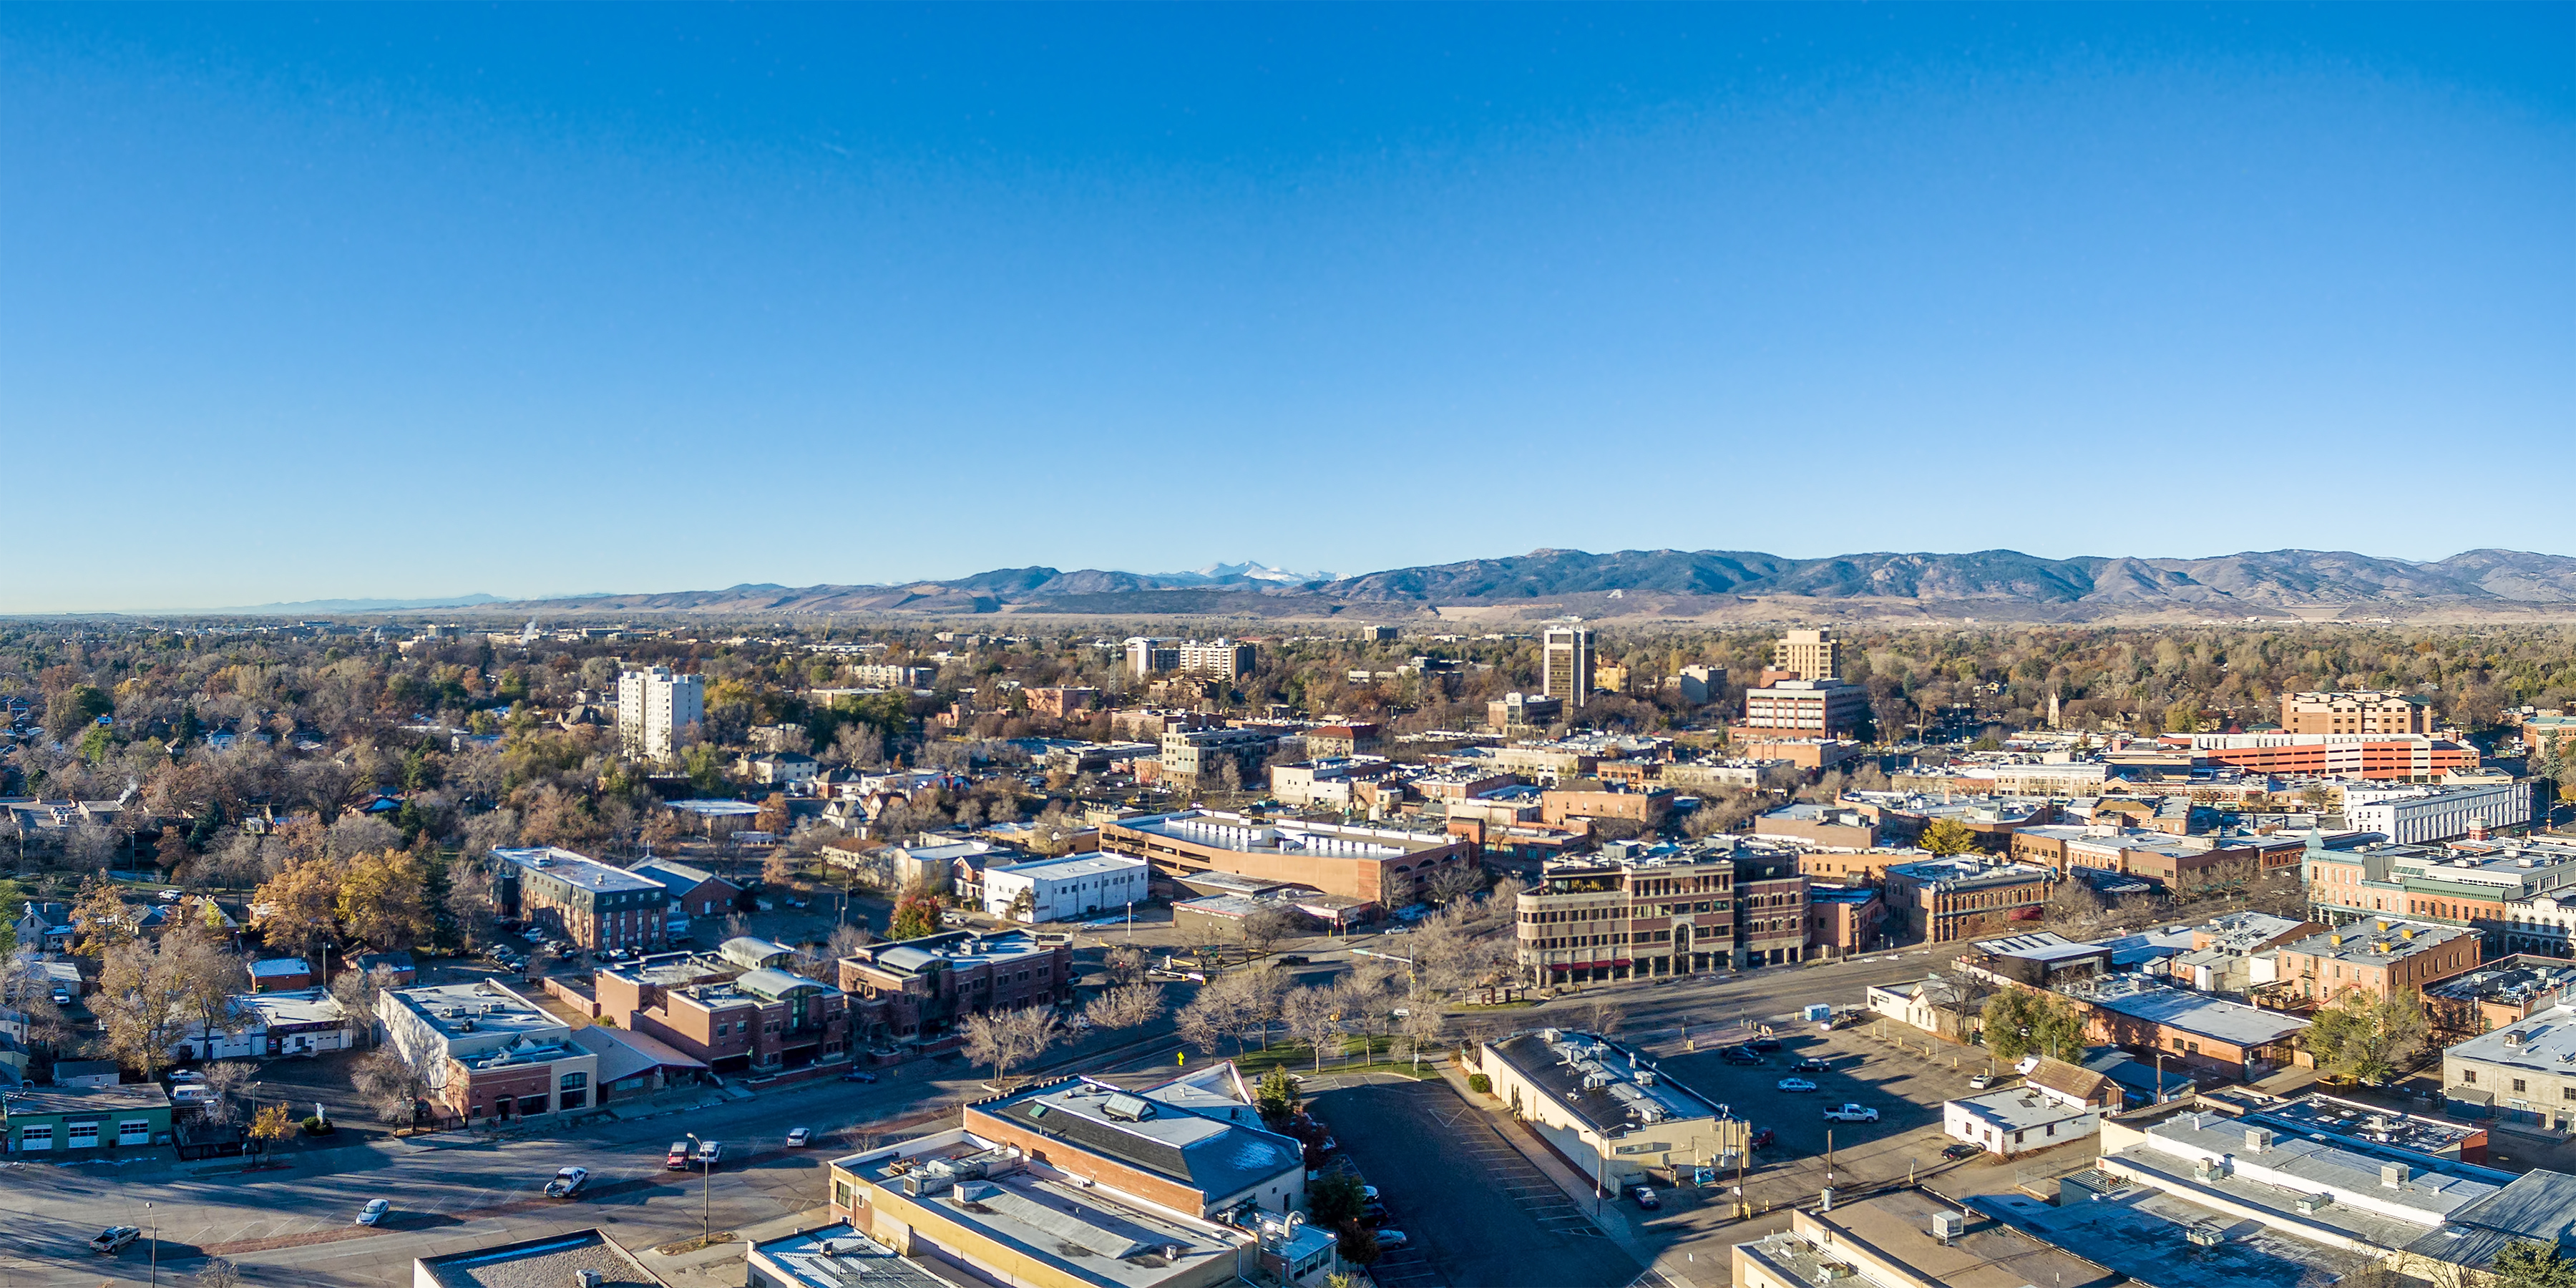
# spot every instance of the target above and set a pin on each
(2546, 1041)
(2020, 1109)
(956, 947)
(2377, 942)
(1075, 865)
(550, 1262)
(2230, 1022)
(571, 868)
(491, 1008)
(2515, 981)
(1894, 1227)
(1241, 833)
(1076, 1231)
(2145, 1233)
(837, 1256)
(2362, 1128)
(1630, 1093)
(1960, 874)
(1213, 1144)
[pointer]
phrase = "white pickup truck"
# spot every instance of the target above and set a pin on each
(1848, 1113)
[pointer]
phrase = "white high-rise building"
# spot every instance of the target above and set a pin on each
(655, 707)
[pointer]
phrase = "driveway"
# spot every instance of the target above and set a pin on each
(1480, 1216)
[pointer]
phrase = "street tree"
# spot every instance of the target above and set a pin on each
(383, 899)
(142, 1003)
(2021, 1021)
(2366, 1037)
(1315, 1019)
(1125, 1006)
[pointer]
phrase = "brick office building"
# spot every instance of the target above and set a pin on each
(588, 903)
(915, 991)
(1352, 860)
(2356, 712)
(757, 1021)
(1944, 900)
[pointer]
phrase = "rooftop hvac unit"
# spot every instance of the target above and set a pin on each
(1948, 1225)
(1833, 1271)
(2204, 1235)
(2311, 1204)
(585, 1279)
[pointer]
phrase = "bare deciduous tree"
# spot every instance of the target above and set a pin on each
(1126, 1006)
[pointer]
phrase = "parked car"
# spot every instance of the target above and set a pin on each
(858, 1075)
(568, 1182)
(1645, 1197)
(1851, 1114)
(169, 896)
(1763, 1139)
(62, 995)
(1292, 959)
(677, 1157)
(1961, 1150)
(798, 1138)
(1812, 1065)
(1373, 1215)
(1981, 1081)
(1390, 1240)
(186, 1075)
(114, 1238)
(711, 1152)
(1739, 1055)
(374, 1211)
(1764, 1045)
(1795, 1084)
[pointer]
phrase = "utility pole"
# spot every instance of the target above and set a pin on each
(155, 1223)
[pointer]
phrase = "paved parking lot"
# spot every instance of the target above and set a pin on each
(1907, 1089)
(1479, 1215)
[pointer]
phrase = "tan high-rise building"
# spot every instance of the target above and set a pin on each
(1813, 655)
(2362, 712)
(1565, 664)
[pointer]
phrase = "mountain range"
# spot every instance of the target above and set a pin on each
(1714, 585)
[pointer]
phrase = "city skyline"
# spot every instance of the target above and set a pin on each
(400, 303)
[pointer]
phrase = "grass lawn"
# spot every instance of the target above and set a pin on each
(1373, 1056)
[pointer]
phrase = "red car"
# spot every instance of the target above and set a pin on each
(1764, 1139)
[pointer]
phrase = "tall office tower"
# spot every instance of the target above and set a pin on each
(655, 706)
(1565, 654)
(1814, 655)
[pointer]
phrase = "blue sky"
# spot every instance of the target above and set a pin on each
(385, 301)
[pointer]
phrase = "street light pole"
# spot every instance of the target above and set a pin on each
(706, 1175)
(155, 1223)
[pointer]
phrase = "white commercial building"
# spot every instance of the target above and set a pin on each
(1060, 889)
(2415, 814)
(656, 707)
(305, 1021)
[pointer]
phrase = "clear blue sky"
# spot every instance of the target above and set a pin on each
(365, 300)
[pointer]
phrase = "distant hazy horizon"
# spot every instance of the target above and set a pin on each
(387, 301)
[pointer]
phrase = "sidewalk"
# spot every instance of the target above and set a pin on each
(1605, 1215)
(722, 1263)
